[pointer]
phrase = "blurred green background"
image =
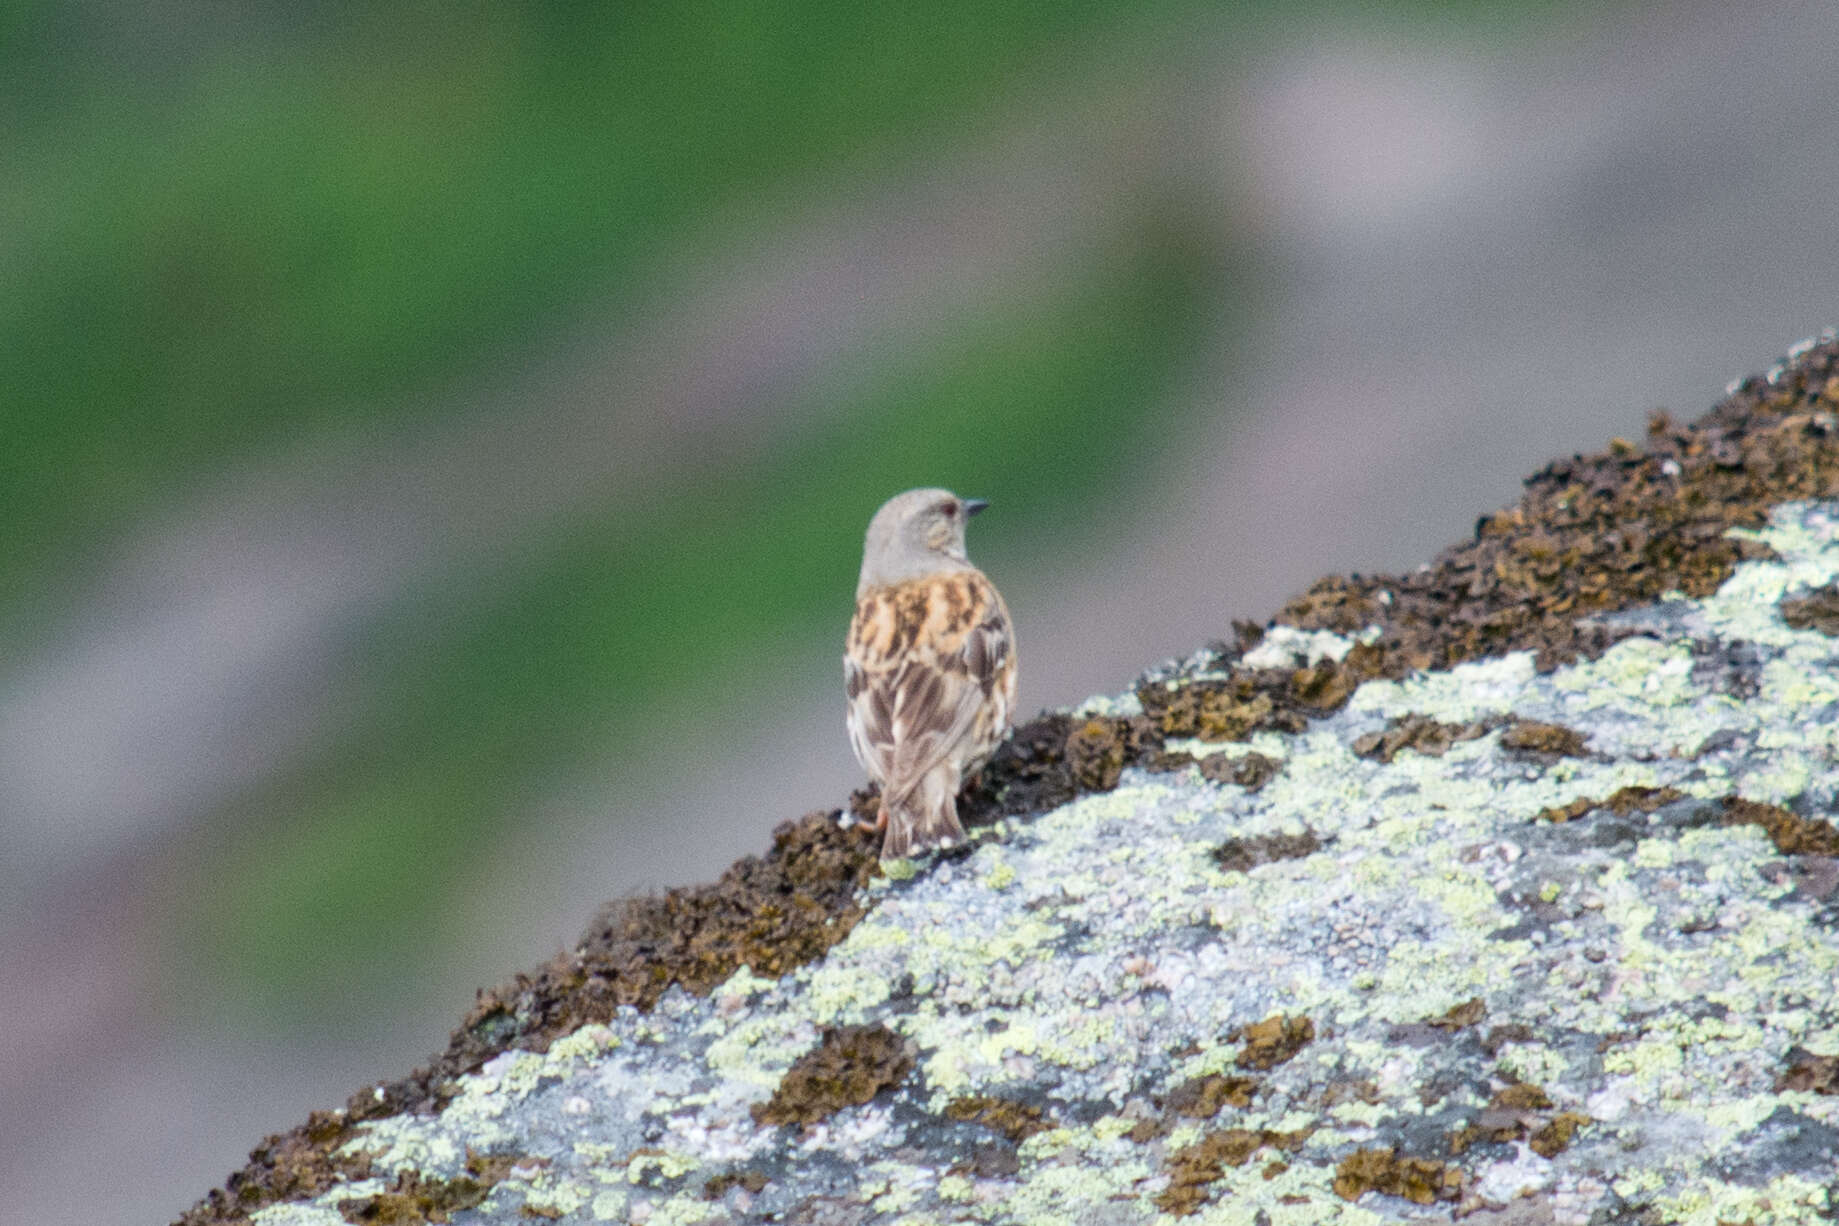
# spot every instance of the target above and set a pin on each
(439, 436)
(642, 620)
(328, 218)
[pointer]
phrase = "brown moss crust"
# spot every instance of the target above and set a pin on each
(748, 1181)
(1272, 1042)
(1014, 1120)
(848, 1067)
(1592, 534)
(1621, 802)
(1243, 855)
(1420, 733)
(1555, 1137)
(296, 1165)
(1809, 1073)
(1462, 1016)
(1514, 1114)
(1419, 1180)
(1814, 610)
(1531, 736)
(1193, 1168)
(414, 1198)
(1792, 834)
(1250, 771)
(1098, 750)
(1200, 1098)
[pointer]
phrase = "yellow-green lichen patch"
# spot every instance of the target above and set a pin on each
(1655, 853)
(894, 1187)
(1466, 898)
(840, 992)
(681, 1211)
(1532, 1063)
(1066, 1171)
(1458, 696)
(651, 1165)
(1740, 1116)
(586, 1043)
(944, 944)
(998, 873)
(758, 1049)
(1791, 683)
(409, 1143)
(609, 1205)
(1417, 973)
(1361, 1114)
(607, 1162)
(1266, 744)
(961, 1057)
(511, 1076)
(1119, 706)
(1781, 780)
(295, 1214)
(1079, 817)
(899, 870)
(1806, 548)
(1212, 1058)
(1287, 647)
(744, 985)
(1683, 1060)
(1312, 758)
(1787, 1200)
(549, 1196)
(1635, 673)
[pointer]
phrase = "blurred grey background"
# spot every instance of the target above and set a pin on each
(438, 439)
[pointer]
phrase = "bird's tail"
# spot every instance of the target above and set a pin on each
(923, 816)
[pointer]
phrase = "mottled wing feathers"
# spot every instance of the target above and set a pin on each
(930, 676)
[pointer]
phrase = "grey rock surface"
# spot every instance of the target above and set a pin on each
(1494, 982)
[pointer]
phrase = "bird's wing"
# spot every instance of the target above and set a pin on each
(924, 657)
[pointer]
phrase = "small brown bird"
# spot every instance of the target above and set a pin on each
(929, 668)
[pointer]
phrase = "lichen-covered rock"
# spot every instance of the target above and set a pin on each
(1485, 941)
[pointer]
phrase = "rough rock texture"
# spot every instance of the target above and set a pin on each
(1525, 909)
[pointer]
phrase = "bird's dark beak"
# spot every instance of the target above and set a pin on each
(974, 505)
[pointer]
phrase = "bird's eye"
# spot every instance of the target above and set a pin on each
(951, 509)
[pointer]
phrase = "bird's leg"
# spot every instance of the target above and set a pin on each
(880, 824)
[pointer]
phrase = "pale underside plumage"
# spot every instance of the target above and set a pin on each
(930, 675)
